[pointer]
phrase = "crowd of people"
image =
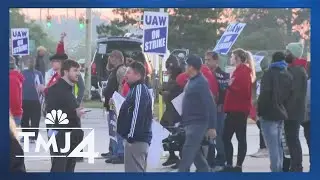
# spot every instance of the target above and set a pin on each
(215, 106)
(283, 105)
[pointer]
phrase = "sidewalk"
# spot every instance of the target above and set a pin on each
(97, 120)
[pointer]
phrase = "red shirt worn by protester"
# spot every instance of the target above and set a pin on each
(239, 94)
(15, 95)
(56, 76)
(183, 78)
(52, 81)
(300, 62)
(125, 88)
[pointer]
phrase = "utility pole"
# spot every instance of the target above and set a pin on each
(161, 81)
(87, 92)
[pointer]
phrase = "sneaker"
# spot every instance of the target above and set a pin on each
(218, 169)
(106, 155)
(171, 161)
(176, 166)
(262, 153)
(109, 160)
(118, 160)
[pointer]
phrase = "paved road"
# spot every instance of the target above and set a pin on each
(97, 119)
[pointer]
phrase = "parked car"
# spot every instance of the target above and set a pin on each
(105, 45)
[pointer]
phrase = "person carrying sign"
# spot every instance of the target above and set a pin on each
(114, 84)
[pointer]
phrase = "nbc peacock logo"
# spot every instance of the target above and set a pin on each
(56, 116)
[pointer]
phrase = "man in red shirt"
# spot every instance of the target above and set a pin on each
(15, 87)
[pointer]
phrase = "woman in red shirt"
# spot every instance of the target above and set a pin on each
(237, 106)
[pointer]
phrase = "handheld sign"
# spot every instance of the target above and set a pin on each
(229, 37)
(20, 41)
(257, 60)
(155, 32)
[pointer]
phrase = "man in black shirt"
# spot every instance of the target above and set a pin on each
(60, 97)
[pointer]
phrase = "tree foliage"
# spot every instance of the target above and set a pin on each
(272, 29)
(18, 20)
(195, 29)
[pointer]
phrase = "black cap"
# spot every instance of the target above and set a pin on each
(194, 61)
(61, 57)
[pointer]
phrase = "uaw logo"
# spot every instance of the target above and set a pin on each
(57, 117)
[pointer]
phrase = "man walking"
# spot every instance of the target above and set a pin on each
(135, 120)
(199, 114)
(218, 162)
(296, 105)
(275, 91)
(31, 98)
(60, 96)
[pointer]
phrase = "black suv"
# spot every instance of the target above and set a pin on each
(127, 45)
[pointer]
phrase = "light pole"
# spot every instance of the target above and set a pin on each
(88, 40)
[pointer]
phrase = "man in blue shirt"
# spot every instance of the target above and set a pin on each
(31, 97)
(199, 114)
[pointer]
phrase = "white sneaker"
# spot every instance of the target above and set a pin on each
(218, 168)
(262, 153)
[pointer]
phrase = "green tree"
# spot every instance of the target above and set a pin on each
(196, 29)
(110, 30)
(18, 20)
(270, 29)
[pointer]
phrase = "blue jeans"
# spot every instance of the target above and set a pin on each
(220, 159)
(117, 147)
(272, 133)
(17, 120)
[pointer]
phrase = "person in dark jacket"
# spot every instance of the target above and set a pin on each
(199, 114)
(218, 162)
(296, 105)
(31, 98)
(60, 97)
(237, 105)
(41, 62)
(16, 163)
(117, 68)
(170, 91)
(135, 120)
(275, 91)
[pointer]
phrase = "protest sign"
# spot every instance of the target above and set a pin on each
(229, 37)
(20, 41)
(155, 32)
